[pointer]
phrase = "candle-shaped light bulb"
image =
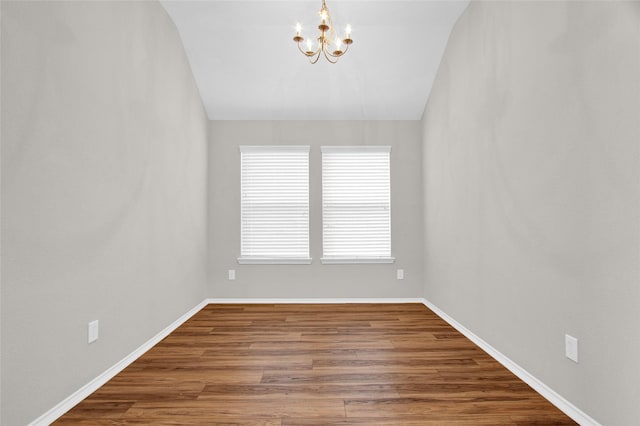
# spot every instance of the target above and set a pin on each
(348, 30)
(338, 43)
(309, 44)
(323, 14)
(298, 28)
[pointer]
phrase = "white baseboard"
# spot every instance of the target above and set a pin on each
(73, 399)
(552, 396)
(319, 301)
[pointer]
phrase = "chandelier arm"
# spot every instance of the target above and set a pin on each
(340, 55)
(300, 49)
(328, 57)
(305, 53)
(336, 56)
(316, 59)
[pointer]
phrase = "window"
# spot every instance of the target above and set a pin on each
(274, 206)
(356, 206)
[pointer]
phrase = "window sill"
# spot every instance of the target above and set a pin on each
(273, 261)
(353, 260)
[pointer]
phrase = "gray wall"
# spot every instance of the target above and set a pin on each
(315, 280)
(531, 169)
(103, 191)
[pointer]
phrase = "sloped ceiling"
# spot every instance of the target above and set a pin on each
(247, 67)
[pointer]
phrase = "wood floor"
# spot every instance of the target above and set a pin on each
(352, 364)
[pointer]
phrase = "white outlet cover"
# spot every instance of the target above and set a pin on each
(571, 347)
(400, 274)
(232, 274)
(93, 331)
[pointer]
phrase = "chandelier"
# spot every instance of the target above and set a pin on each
(329, 44)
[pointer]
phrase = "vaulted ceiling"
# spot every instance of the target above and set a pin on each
(247, 66)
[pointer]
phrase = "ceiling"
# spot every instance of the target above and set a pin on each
(247, 66)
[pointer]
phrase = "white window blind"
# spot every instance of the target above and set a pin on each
(356, 204)
(274, 204)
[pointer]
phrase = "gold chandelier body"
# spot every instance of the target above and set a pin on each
(329, 44)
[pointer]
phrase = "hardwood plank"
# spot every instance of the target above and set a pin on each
(184, 421)
(432, 420)
(340, 391)
(448, 404)
(344, 364)
(286, 406)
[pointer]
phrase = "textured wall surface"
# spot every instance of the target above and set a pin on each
(103, 192)
(315, 280)
(532, 192)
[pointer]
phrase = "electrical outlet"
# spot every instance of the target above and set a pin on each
(232, 274)
(400, 274)
(571, 347)
(93, 331)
